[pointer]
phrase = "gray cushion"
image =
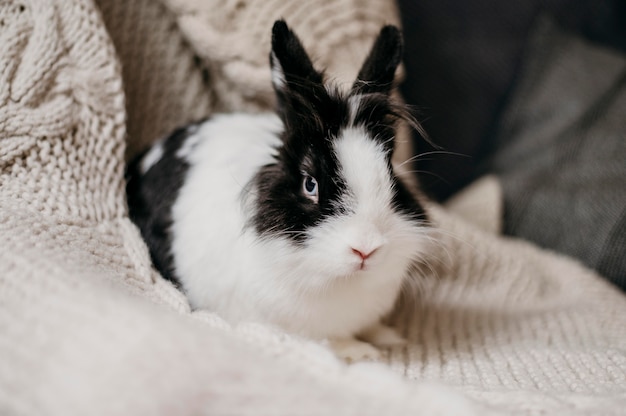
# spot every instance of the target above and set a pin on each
(561, 151)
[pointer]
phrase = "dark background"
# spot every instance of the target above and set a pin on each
(462, 58)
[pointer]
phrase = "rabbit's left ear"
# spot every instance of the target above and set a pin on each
(378, 70)
(292, 69)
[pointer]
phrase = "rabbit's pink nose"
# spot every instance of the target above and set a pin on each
(363, 254)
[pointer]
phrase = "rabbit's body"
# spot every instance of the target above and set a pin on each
(296, 220)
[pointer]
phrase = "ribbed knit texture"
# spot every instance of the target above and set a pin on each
(87, 327)
(164, 81)
(516, 326)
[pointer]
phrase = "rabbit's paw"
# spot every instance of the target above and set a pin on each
(382, 336)
(352, 350)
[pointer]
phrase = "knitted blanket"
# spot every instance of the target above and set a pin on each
(497, 326)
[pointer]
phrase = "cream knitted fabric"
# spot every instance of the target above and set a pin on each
(62, 125)
(233, 37)
(526, 330)
(87, 327)
(164, 82)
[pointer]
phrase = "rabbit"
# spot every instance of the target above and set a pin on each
(296, 218)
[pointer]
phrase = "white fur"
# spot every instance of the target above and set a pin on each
(189, 145)
(278, 75)
(152, 157)
(321, 290)
(354, 104)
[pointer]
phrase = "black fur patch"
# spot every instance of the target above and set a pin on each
(310, 129)
(379, 69)
(151, 197)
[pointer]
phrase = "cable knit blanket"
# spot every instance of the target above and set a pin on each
(87, 326)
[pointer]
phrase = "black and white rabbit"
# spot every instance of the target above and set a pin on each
(294, 219)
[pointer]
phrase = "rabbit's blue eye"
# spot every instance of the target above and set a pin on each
(310, 188)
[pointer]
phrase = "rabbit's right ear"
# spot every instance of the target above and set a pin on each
(378, 70)
(292, 70)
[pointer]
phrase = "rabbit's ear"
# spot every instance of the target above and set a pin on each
(378, 70)
(292, 69)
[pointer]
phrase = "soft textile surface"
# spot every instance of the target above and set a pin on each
(561, 151)
(87, 327)
(164, 83)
